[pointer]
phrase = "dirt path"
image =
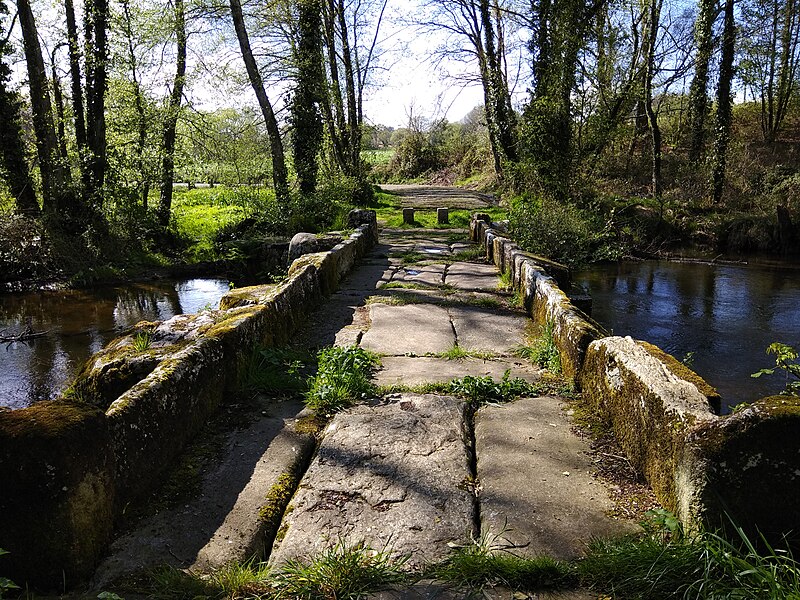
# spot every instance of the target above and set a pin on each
(416, 473)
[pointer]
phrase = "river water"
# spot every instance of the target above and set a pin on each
(725, 315)
(81, 322)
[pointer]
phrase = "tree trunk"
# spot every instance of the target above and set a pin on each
(306, 120)
(58, 97)
(171, 122)
(54, 180)
(138, 103)
(279, 174)
(12, 148)
(96, 77)
(652, 117)
(698, 95)
(77, 91)
(722, 125)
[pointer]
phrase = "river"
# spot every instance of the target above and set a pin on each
(79, 323)
(724, 315)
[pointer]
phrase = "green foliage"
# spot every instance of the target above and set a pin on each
(343, 378)
(485, 563)
(663, 563)
(275, 370)
(142, 340)
(456, 352)
(6, 585)
(481, 390)
(558, 230)
(340, 572)
(543, 351)
(786, 361)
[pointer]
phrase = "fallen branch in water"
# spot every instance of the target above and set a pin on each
(26, 334)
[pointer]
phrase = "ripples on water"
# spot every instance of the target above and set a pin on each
(725, 315)
(81, 322)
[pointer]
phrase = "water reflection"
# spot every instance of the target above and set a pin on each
(725, 315)
(81, 322)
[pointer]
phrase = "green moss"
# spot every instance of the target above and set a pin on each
(277, 498)
(311, 424)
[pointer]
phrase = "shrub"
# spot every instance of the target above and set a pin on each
(25, 250)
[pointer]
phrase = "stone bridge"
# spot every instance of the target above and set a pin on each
(414, 472)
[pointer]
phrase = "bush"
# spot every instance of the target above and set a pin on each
(557, 230)
(25, 250)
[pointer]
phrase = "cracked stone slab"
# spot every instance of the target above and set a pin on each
(427, 275)
(488, 330)
(536, 480)
(473, 277)
(418, 370)
(339, 321)
(408, 329)
(391, 475)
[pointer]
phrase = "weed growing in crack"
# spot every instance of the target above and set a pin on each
(488, 562)
(481, 390)
(456, 352)
(340, 572)
(543, 351)
(343, 378)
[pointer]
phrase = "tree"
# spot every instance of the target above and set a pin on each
(347, 71)
(96, 55)
(483, 25)
(171, 119)
(771, 54)
(698, 95)
(650, 43)
(305, 113)
(12, 148)
(722, 126)
(279, 173)
(55, 181)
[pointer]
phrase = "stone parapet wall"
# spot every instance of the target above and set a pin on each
(540, 281)
(701, 466)
(70, 466)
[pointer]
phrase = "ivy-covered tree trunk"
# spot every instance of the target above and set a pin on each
(279, 174)
(171, 121)
(500, 115)
(650, 42)
(12, 150)
(306, 118)
(698, 94)
(722, 126)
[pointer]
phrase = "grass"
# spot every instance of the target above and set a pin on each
(342, 571)
(482, 390)
(142, 340)
(456, 352)
(484, 563)
(543, 350)
(276, 370)
(390, 214)
(343, 378)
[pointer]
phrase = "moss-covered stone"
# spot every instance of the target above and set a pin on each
(682, 371)
(753, 467)
(56, 508)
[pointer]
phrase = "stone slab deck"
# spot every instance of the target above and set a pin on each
(391, 475)
(537, 488)
(221, 525)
